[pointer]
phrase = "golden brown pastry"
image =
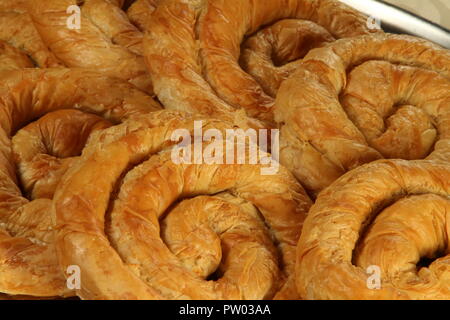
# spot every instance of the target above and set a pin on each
(30, 93)
(42, 152)
(17, 29)
(140, 12)
(45, 149)
(379, 232)
(28, 265)
(106, 42)
(12, 58)
(192, 49)
(362, 99)
(141, 226)
(273, 53)
(39, 154)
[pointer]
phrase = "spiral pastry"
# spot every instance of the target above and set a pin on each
(192, 49)
(17, 30)
(390, 215)
(34, 156)
(362, 99)
(274, 53)
(106, 40)
(140, 226)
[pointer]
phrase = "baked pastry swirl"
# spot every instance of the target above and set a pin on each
(92, 179)
(386, 215)
(362, 99)
(141, 226)
(192, 49)
(273, 53)
(106, 41)
(35, 155)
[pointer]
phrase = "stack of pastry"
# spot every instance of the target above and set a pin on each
(89, 186)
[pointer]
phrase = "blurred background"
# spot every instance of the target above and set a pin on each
(437, 11)
(409, 17)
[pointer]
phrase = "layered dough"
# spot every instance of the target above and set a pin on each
(88, 176)
(12, 58)
(39, 154)
(140, 12)
(45, 149)
(106, 42)
(274, 53)
(362, 99)
(17, 30)
(192, 49)
(110, 209)
(389, 215)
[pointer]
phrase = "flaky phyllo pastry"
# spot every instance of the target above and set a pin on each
(321, 171)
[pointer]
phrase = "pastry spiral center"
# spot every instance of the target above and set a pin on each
(239, 245)
(413, 228)
(269, 56)
(156, 246)
(44, 149)
(207, 233)
(402, 111)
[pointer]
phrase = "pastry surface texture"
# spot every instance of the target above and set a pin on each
(192, 49)
(122, 217)
(35, 156)
(17, 29)
(220, 150)
(388, 215)
(362, 99)
(105, 40)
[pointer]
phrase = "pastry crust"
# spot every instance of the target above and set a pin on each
(46, 148)
(387, 214)
(29, 93)
(334, 119)
(90, 174)
(28, 264)
(192, 49)
(17, 29)
(274, 53)
(129, 248)
(140, 13)
(107, 42)
(12, 58)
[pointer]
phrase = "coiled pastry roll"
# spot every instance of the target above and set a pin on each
(34, 156)
(362, 99)
(192, 49)
(139, 225)
(381, 231)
